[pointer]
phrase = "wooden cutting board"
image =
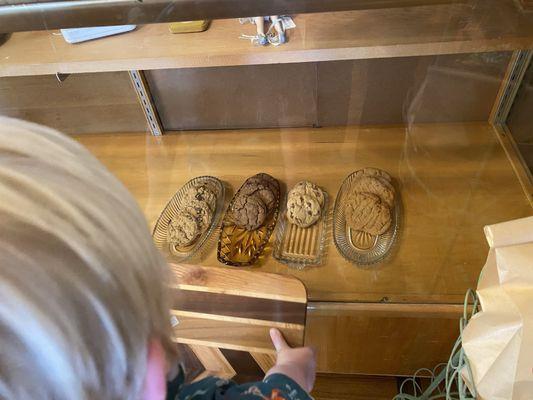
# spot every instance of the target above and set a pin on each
(222, 318)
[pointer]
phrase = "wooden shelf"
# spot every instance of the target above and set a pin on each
(490, 25)
(454, 179)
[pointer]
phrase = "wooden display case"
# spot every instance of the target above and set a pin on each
(417, 91)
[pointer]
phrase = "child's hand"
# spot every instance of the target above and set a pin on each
(298, 364)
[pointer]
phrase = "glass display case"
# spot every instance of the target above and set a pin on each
(436, 96)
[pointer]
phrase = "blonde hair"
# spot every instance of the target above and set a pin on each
(81, 283)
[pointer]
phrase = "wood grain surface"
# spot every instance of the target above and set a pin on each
(388, 340)
(239, 306)
(472, 26)
(83, 103)
(453, 178)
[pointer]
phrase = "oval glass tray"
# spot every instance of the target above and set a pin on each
(301, 247)
(171, 210)
(360, 247)
(237, 246)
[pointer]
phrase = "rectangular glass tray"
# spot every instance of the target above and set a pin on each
(301, 247)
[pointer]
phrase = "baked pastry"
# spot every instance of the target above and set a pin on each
(183, 229)
(249, 212)
(201, 192)
(369, 171)
(262, 190)
(303, 210)
(271, 182)
(201, 213)
(366, 212)
(375, 185)
(308, 188)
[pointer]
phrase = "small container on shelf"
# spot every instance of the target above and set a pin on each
(189, 26)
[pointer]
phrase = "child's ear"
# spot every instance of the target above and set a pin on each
(155, 384)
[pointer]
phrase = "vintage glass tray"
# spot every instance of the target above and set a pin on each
(360, 247)
(200, 245)
(239, 247)
(301, 247)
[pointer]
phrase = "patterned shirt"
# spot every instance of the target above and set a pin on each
(273, 387)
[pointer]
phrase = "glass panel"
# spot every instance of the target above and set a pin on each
(361, 148)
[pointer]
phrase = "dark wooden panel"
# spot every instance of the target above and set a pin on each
(83, 103)
(239, 306)
(354, 387)
(191, 364)
(244, 365)
(258, 96)
(448, 88)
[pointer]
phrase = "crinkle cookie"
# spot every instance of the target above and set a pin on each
(249, 212)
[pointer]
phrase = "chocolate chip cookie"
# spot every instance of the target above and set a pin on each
(183, 229)
(201, 192)
(200, 211)
(310, 189)
(366, 212)
(303, 210)
(249, 212)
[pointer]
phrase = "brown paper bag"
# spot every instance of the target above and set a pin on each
(498, 341)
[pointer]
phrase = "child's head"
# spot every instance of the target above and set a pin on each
(81, 284)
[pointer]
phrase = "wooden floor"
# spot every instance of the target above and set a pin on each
(454, 179)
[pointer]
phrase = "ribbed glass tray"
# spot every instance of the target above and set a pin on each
(199, 246)
(301, 247)
(237, 246)
(360, 247)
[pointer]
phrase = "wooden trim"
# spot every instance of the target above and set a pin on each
(146, 101)
(515, 158)
(17, 15)
(401, 32)
(511, 81)
(250, 321)
(230, 335)
(389, 310)
(213, 361)
(238, 282)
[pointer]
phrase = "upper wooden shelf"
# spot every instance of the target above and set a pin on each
(490, 25)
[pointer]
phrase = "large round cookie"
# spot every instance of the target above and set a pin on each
(365, 212)
(183, 229)
(369, 171)
(200, 211)
(265, 179)
(249, 212)
(303, 210)
(374, 185)
(310, 189)
(261, 190)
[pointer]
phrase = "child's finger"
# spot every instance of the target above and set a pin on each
(278, 340)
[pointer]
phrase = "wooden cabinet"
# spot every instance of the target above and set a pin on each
(416, 91)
